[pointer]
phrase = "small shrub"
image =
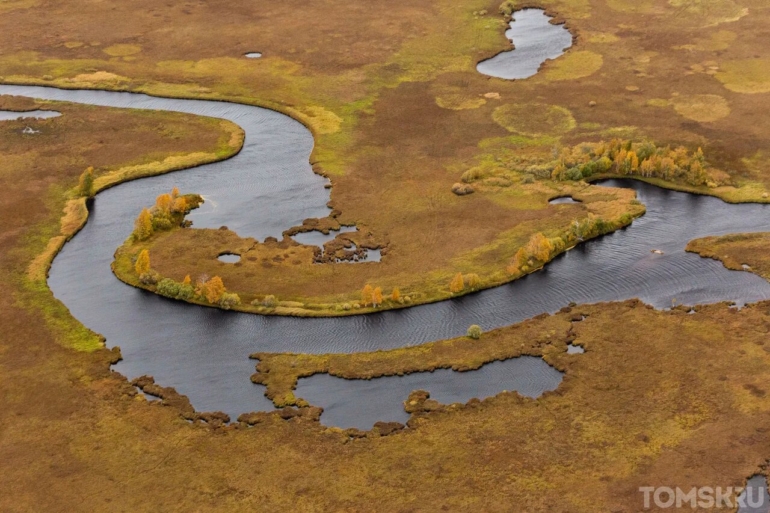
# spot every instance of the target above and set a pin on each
(168, 287)
(270, 301)
(507, 7)
(161, 222)
(528, 178)
(346, 306)
(462, 189)
(186, 292)
(472, 175)
(474, 332)
(472, 281)
(149, 278)
(229, 300)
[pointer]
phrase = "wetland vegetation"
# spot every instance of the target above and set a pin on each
(665, 91)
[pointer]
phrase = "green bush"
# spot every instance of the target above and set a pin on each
(507, 7)
(186, 292)
(474, 332)
(573, 173)
(168, 287)
(161, 223)
(472, 175)
(229, 300)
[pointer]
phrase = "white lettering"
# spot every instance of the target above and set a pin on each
(647, 491)
(723, 499)
(669, 501)
(684, 498)
(706, 496)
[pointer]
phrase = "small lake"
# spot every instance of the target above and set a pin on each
(535, 40)
(229, 258)
(361, 403)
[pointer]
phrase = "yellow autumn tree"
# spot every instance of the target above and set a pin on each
(143, 225)
(86, 183)
(187, 280)
(519, 260)
(142, 264)
(179, 206)
(366, 295)
(377, 297)
(163, 203)
(457, 284)
(174, 193)
(539, 247)
(214, 290)
(395, 295)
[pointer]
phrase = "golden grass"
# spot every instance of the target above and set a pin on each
(748, 76)
(573, 65)
(534, 119)
(703, 108)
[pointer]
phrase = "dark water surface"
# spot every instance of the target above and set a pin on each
(8, 115)
(361, 403)
(269, 187)
(535, 40)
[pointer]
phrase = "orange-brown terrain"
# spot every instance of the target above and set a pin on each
(399, 114)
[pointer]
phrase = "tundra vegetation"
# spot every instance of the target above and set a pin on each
(399, 115)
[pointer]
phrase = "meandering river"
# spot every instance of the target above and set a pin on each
(269, 187)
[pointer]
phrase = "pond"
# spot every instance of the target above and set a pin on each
(361, 403)
(535, 41)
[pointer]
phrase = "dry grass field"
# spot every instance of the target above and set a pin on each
(399, 115)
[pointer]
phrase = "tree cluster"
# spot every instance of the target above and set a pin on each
(539, 249)
(644, 159)
(462, 282)
(169, 210)
(211, 290)
(373, 296)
